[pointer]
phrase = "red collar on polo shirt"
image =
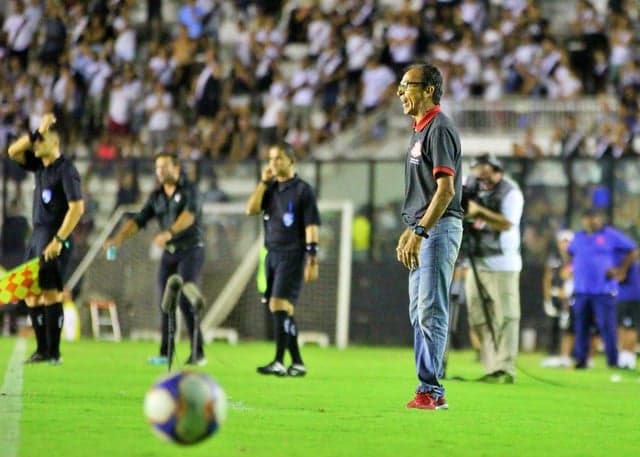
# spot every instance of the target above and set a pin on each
(418, 127)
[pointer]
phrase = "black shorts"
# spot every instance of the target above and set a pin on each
(53, 273)
(285, 273)
(628, 313)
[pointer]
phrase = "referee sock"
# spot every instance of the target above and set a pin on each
(36, 314)
(280, 333)
(54, 320)
(294, 349)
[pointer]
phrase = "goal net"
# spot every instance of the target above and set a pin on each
(233, 303)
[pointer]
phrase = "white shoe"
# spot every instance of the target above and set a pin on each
(565, 362)
(627, 359)
(550, 362)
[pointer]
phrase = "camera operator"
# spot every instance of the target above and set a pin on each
(493, 245)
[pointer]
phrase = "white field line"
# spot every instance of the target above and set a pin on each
(11, 402)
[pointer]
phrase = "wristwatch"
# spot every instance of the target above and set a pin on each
(420, 231)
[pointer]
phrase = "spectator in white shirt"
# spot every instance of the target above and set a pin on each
(37, 105)
(242, 43)
(564, 84)
(378, 85)
(126, 41)
(158, 110)
(268, 39)
(273, 122)
(359, 48)
(299, 137)
(621, 41)
(468, 57)
(19, 30)
(66, 103)
(492, 80)
(303, 85)
(332, 69)
(474, 13)
(119, 112)
(160, 64)
(401, 38)
(319, 32)
(133, 87)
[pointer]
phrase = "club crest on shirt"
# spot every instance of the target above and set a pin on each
(177, 198)
(46, 195)
(287, 219)
(416, 150)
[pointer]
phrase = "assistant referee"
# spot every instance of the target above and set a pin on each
(57, 208)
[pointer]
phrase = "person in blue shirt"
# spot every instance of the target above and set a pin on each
(595, 251)
(628, 306)
(191, 16)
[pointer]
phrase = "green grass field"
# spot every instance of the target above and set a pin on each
(350, 404)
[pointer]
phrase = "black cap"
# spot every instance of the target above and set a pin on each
(487, 159)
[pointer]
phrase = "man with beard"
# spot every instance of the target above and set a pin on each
(177, 206)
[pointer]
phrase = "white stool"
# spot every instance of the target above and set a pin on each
(319, 338)
(104, 315)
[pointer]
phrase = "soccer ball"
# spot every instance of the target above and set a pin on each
(185, 407)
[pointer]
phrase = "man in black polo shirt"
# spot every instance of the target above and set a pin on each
(291, 221)
(432, 214)
(177, 206)
(57, 208)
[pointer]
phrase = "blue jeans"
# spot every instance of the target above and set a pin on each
(429, 302)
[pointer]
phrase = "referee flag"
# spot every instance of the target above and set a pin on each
(20, 282)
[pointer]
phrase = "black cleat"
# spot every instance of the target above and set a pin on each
(297, 370)
(55, 361)
(274, 367)
(498, 377)
(197, 361)
(37, 357)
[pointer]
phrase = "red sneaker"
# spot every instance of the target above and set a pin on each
(424, 400)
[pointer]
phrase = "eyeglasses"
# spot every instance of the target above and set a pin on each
(404, 85)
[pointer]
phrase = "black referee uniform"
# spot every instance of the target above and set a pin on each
(183, 254)
(55, 186)
(288, 208)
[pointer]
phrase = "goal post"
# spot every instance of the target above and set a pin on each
(233, 242)
(338, 257)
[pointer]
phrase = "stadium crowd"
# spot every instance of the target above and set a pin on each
(222, 79)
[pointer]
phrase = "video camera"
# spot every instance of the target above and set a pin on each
(471, 185)
(470, 191)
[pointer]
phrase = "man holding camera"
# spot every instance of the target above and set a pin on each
(493, 296)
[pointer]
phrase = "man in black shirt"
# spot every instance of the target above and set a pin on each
(177, 206)
(432, 214)
(57, 208)
(291, 221)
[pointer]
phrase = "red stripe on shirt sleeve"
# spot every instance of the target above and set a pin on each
(444, 170)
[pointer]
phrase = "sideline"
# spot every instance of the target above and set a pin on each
(11, 402)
